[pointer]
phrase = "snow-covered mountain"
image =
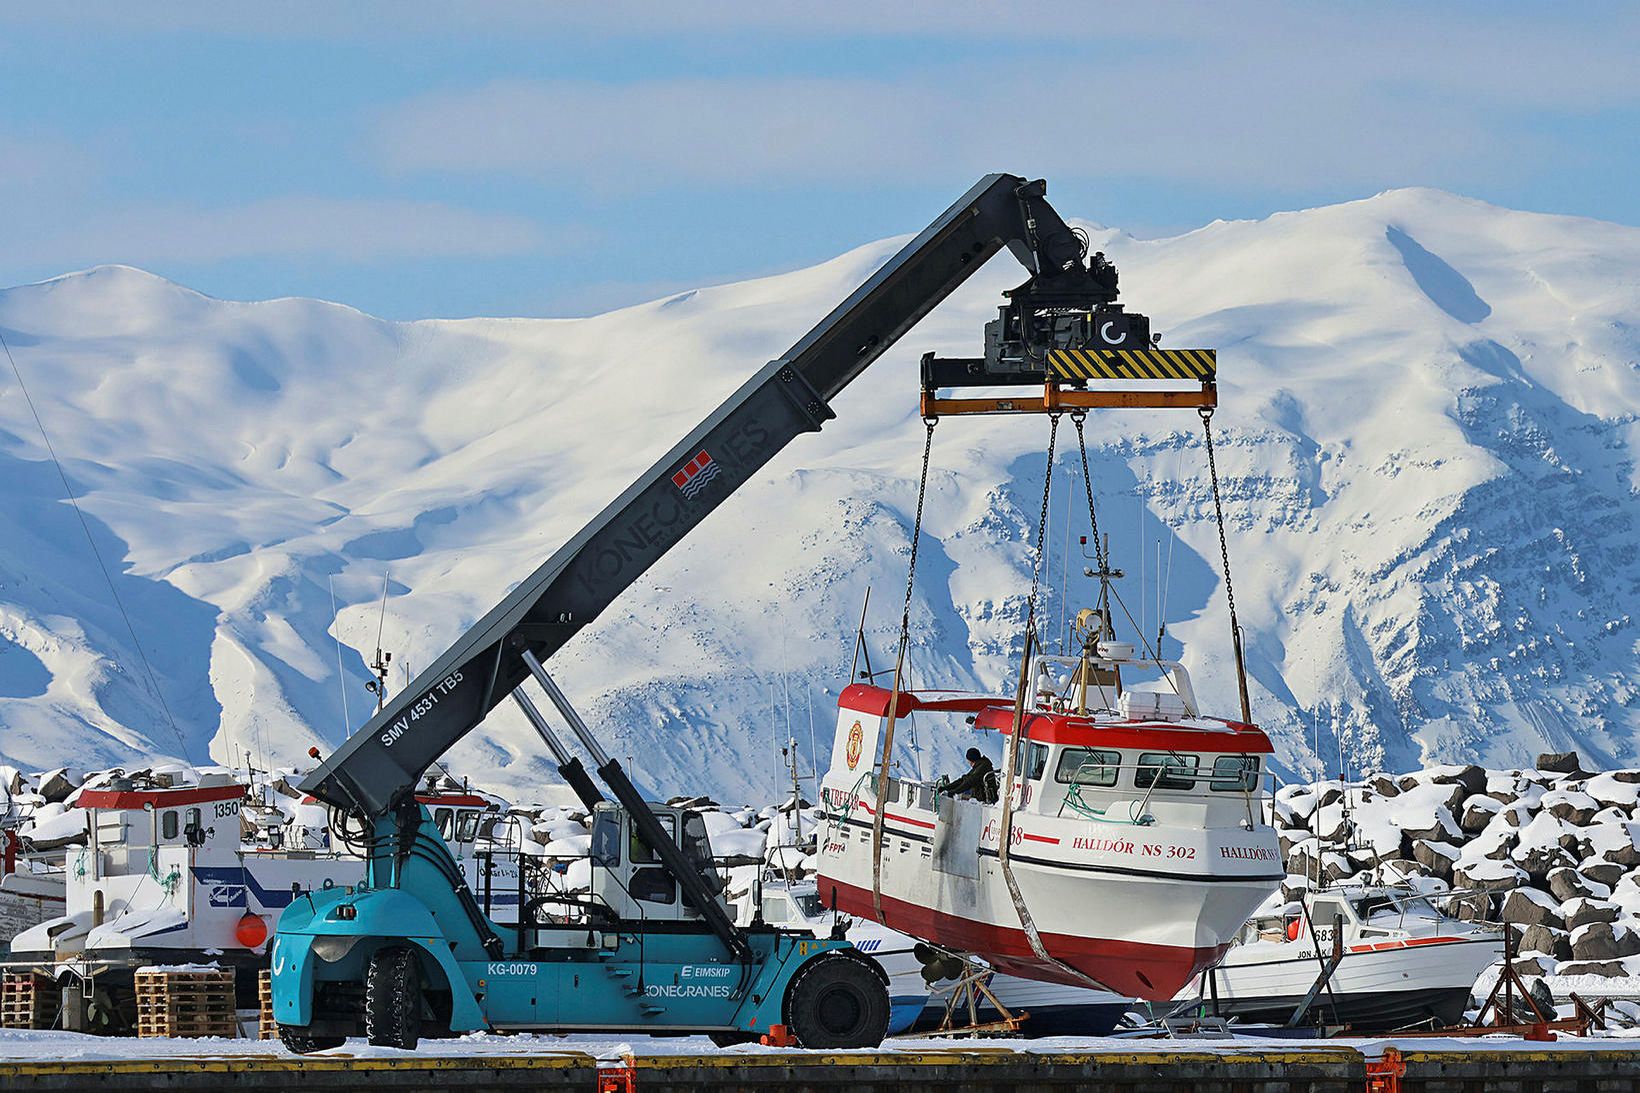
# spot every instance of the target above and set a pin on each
(1427, 438)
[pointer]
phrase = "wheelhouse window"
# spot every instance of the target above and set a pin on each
(1235, 774)
(443, 819)
(467, 825)
(1030, 762)
(1166, 770)
(1088, 767)
(168, 824)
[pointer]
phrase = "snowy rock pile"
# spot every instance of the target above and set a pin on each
(1552, 851)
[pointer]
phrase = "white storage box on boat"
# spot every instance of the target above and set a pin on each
(1150, 705)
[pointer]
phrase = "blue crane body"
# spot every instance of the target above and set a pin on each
(411, 952)
(566, 975)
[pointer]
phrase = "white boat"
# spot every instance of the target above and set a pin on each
(1137, 840)
(797, 905)
(189, 872)
(1404, 962)
(32, 889)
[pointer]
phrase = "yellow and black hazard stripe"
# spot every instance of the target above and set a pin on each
(1133, 364)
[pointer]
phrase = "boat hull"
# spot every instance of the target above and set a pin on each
(1130, 968)
(1372, 990)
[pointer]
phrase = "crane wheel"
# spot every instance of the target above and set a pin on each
(302, 1043)
(392, 998)
(837, 1001)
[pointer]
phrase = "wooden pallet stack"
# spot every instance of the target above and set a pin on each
(28, 1000)
(266, 1027)
(186, 1003)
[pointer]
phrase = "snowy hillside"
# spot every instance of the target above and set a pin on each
(1428, 441)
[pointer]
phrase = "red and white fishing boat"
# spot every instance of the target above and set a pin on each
(1137, 839)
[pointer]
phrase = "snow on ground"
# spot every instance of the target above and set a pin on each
(1427, 444)
(21, 1046)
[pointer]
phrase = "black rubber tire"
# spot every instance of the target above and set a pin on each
(301, 1043)
(392, 998)
(837, 1001)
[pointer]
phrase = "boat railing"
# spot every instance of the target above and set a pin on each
(1250, 785)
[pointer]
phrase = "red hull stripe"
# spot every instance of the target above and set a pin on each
(1135, 969)
(924, 824)
(159, 798)
(1408, 943)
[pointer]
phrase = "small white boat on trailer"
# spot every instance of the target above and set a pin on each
(1402, 962)
(1137, 839)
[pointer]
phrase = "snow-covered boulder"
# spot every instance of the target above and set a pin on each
(1548, 940)
(1567, 883)
(1478, 812)
(1574, 806)
(1487, 875)
(1617, 842)
(1530, 907)
(1437, 857)
(1560, 762)
(1471, 778)
(1605, 941)
(1614, 789)
(1581, 911)
(57, 785)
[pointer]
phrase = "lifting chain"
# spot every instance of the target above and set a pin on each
(1010, 760)
(1206, 413)
(1042, 524)
(899, 669)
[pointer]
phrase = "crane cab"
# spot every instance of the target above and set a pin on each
(630, 879)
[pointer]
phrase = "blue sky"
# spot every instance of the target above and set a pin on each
(417, 159)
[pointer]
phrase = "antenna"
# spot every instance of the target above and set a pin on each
(1138, 492)
(814, 756)
(860, 642)
(378, 686)
(336, 626)
(1064, 572)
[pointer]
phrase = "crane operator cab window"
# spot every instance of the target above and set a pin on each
(606, 840)
(650, 882)
(697, 847)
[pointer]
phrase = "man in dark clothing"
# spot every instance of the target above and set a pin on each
(980, 781)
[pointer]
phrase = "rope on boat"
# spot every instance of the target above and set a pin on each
(899, 670)
(1011, 749)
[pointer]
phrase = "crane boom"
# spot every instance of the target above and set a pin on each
(379, 766)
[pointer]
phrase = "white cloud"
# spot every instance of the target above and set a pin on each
(347, 230)
(1257, 126)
